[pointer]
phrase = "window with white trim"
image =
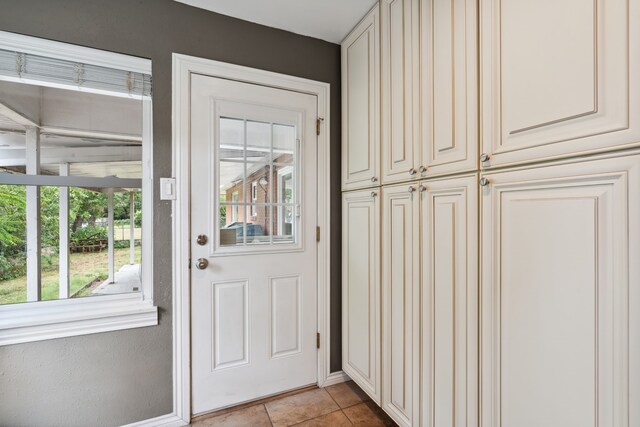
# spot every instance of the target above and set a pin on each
(75, 190)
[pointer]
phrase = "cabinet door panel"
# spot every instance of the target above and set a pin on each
(448, 74)
(401, 303)
(361, 104)
(560, 78)
(399, 105)
(361, 289)
(449, 212)
(559, 295)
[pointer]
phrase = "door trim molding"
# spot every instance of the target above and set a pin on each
(183, 67)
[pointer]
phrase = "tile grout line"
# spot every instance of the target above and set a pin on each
(320, 416)
(268, 415)
(340, 408)
(311, 419)
(262, 401)
(346, 407)
(325, 389)
(347, 417)
(357, 403)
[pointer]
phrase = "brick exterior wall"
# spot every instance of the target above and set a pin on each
(263, 194)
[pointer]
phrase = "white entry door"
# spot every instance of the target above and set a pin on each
(253, 246)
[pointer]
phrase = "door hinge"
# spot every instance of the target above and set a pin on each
(318, 121)
(317, 234)
(189, 263)
(317, 339)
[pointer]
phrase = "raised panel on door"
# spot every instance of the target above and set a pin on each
(361, 104)
(361, 356)
(401, 303)
(560, 295)
(449, 86)
(559, 78)
(449, 288)
(400, 105)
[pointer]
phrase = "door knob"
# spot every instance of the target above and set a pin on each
(374, 179)
(202, 263)
(411, 189)
(412, 171)
(201, 240)
(484, 182)
(422, 169)
(484, 157)
(422, 188)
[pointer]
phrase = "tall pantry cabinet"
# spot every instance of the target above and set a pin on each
(429, 301)
(491, 211)
(361, 325)
(424, 275)
(560, 337)
(560, 294)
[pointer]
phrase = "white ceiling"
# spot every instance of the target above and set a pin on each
(329, 20)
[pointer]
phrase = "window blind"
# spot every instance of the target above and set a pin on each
(61, 72)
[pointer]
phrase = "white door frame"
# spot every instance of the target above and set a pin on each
(183, 67)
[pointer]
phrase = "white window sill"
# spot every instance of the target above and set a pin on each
(37, 321)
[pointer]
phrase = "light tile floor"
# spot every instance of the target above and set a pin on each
(338, 405)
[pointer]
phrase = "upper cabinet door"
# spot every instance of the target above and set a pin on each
(449, 86)
(559, 78)
(361, 104)
(400, 64)
(449, 292)
(561, 295)
(361, 289)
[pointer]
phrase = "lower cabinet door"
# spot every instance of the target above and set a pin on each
(361, 289)
(560, 295)
(449, 288)
(401, 303)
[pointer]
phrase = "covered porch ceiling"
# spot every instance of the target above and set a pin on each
(97, 135)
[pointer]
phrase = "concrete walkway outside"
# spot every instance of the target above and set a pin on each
(127, 279)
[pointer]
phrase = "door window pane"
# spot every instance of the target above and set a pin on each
(284, 144)
(257, 175)
(231, 140)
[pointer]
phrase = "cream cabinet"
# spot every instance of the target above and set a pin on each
(560, 295)
(560, 78)
(429, 309)
(401, 303)
(400, 105)
(361, 104)
(361, 322)
(449, 295)
(429, 88)
(509, 230)
(448, 87)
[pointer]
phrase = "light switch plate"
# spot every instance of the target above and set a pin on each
(167, 188)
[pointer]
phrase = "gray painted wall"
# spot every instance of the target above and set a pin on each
(121, 377)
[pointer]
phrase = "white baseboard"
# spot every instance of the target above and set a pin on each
(169, 420)
(335, 378)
